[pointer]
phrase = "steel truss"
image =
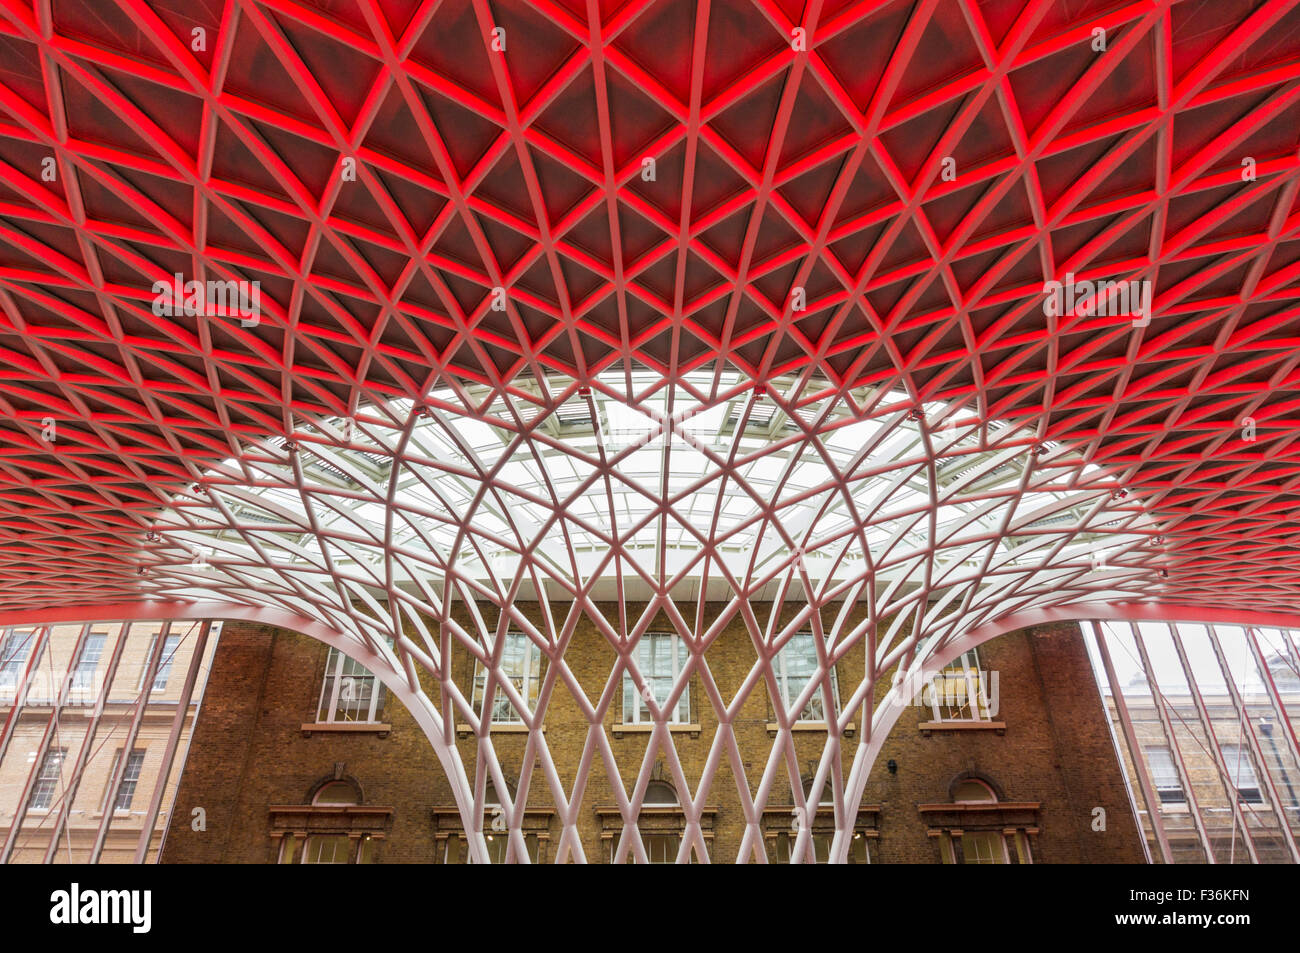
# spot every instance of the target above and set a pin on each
(420, 417)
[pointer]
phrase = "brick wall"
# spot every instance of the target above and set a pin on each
(1056, 750)
(250, 751)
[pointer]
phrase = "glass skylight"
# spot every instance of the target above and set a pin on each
(705, 477)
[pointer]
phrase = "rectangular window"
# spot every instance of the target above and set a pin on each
(521, 663)
(456, 850)
(984, 847)
(821, 845)
(960, 692)
(660, 657)
(660, 848)
(14, 649)
(83, 676)
(130, 779)
(1242, 772)
(796, 666)
(327, 849)
(497, 847)
(350, 692)
(164, 662)
(47, 781)
(1164, 775)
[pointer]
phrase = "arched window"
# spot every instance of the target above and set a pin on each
(827, 799)
(661, 835)
(659, 793)
(336, 792)
(330, 829)
(973, 791)
(783, 824)
(976, 826)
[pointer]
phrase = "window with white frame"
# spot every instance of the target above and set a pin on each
(130, 779)
(796, 666)
(984, 847)
(83, 676)
(350, 692)
(160, 678)
(1241, 771)
(47, 781)
(521, 665)
(1164, 775)
(660, 657)
(327, 849)
(14, 649)
(960, 691)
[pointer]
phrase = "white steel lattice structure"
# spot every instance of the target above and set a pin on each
(796, 370)
(663, 498)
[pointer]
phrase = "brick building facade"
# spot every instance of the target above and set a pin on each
(73, 698)
(260, 756)
(1202, 761)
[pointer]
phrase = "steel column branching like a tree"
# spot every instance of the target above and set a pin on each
(728, 312)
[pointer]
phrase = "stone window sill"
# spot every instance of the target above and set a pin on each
(928, 726)
(347, 727)
(118, 814)
(505, 728)
(620, 730)
(773, 727)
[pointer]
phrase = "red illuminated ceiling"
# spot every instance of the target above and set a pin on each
(774, 168)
